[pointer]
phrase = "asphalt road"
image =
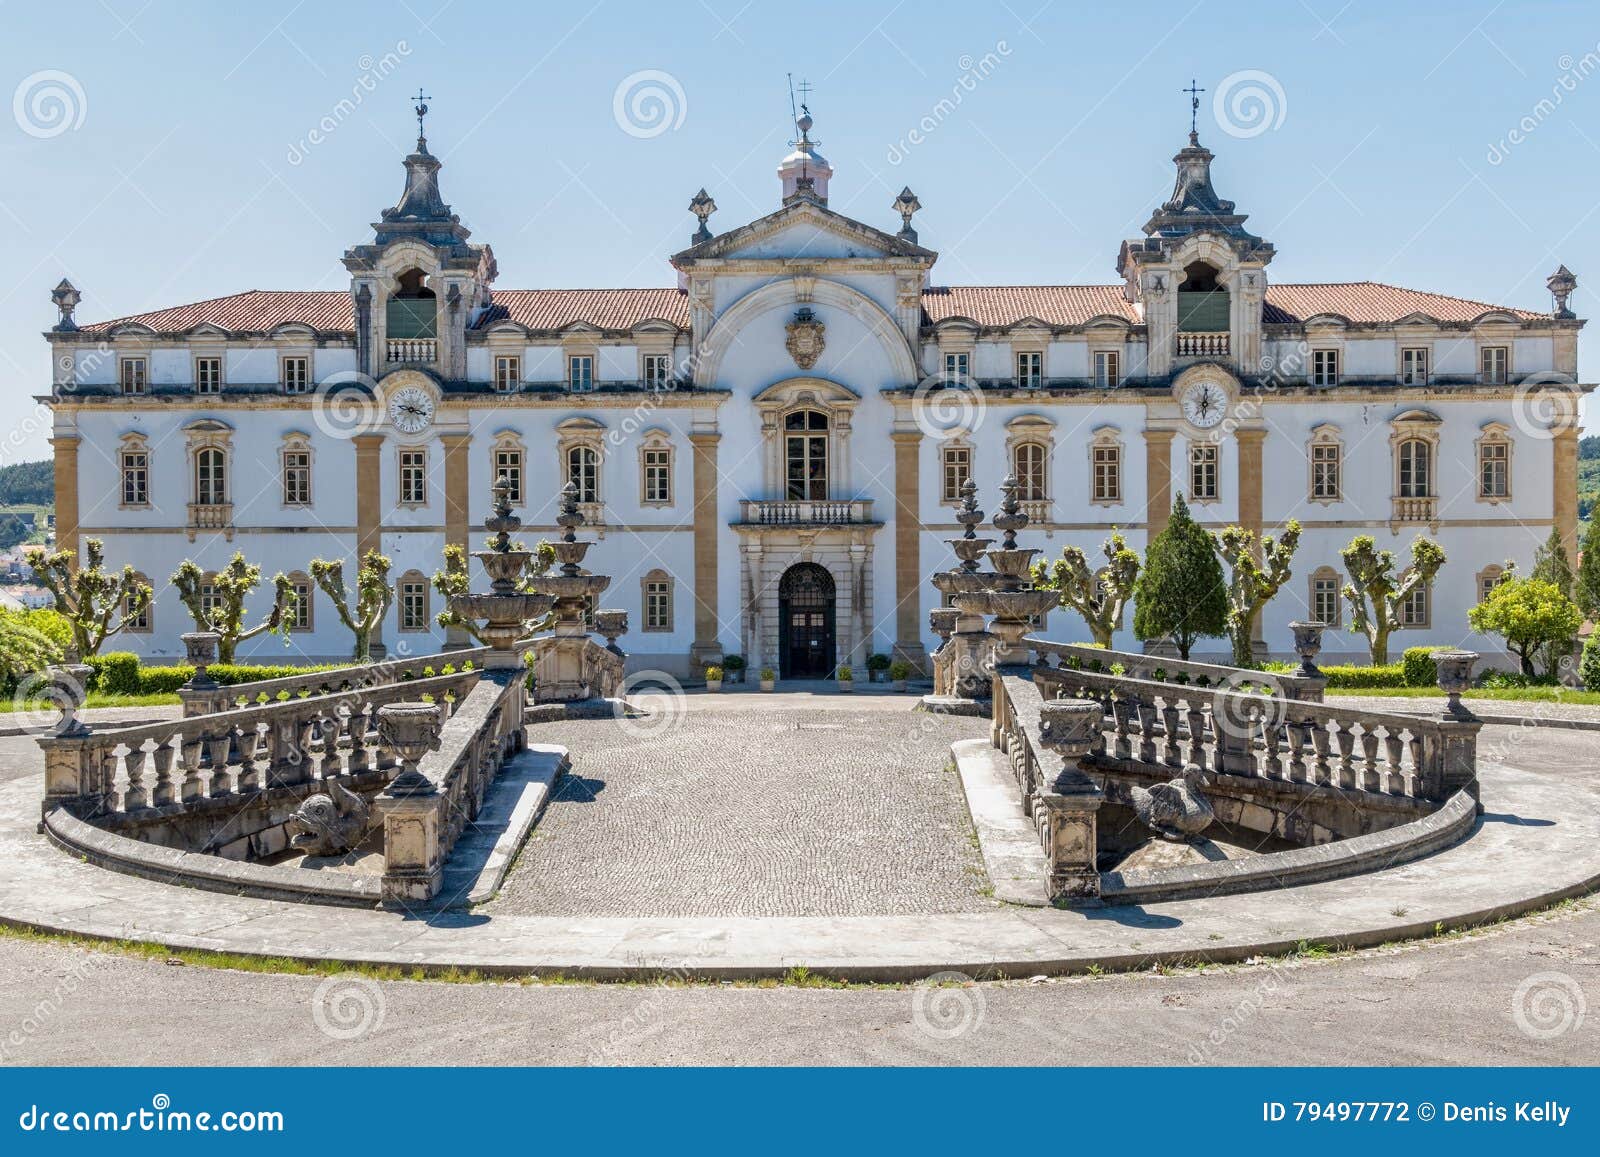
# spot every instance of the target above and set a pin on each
(1519, 994)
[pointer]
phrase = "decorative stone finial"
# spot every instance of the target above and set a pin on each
(906, 204)
(1010, 518)
(422, 111)
(66, 298)
(1561, 284)
(702, 206)
(969, 516)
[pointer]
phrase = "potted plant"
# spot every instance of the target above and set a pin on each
(734, 666)
(769, 678)
(899, 672)
(713, 678)
(847, 680)
(877, 668)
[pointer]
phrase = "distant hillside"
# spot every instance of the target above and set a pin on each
(28, 483)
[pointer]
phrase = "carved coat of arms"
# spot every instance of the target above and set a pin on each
(805, 339)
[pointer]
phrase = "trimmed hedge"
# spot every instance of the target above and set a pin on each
(1419, 667)
(120, 673)
(1348, 677)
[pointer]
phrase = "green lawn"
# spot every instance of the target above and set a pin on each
(97, 700)
(1506, 694)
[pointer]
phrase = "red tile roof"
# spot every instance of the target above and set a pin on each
(989, 305)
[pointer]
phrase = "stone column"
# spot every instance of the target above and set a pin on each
(1565, 504)
(369, 508)
(66, 464)
(1251, 506)
(706, 650)
(457, 527)
(908, 576)
(1157, 481)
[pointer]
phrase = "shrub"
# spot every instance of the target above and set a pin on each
(1352, 677)
(899, 670)
(164, 680)
(1418, 664)
(115, 673)
(768, 673)
(713, 674)
(878, 662)
(1590, 666)
(734, 662)
(846, 675)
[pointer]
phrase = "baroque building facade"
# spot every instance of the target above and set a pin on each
(771, 451)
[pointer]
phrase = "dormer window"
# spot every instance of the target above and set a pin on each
(507, 373)
(1202, 301)
(412, 310)
(580, 373)
(134, 373)
(1494, 364)
(296, 374)
(1030, 369)
(1414, 366)
(208, 375)
(657, 371)
(1324, 367)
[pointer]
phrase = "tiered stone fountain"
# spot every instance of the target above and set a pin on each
(505, 611)
(1008, 592)
(567, 667)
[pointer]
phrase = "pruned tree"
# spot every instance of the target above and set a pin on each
(1531, 615)
(1586, 590)
(1180, 593)
(1099, 595)
(373, 596)
(453, 579)
(231, 587)
(1375, 593)
(1258, 568)
(96, 603)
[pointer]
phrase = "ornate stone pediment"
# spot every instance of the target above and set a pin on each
(806, 340)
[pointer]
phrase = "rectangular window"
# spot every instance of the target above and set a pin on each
(1414, 367)
(1324, 367)
(658, 476)
(1030, 370)
(507, 373)
(413, 605)
(508, 465)
(210, 600)
(658, 605)
(141, 621)
(1107, 473)
(657, 370)
(208, 375)
(957, 367)
(1495, 363)
(135, 478)
(300, 618)
(413, 477)
(296, 375)
(1203, 473)
(1325, 462)
(297, 478)
(134, 374)
(580, 373)
(1325, 600)
(1107, 368)
(1494, 470)
(957, 469)
(1414, 609)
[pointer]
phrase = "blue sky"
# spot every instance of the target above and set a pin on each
(184, 167)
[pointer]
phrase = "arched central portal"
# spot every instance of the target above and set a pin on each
(806, 641)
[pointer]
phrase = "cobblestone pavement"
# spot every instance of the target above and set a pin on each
(756, 806)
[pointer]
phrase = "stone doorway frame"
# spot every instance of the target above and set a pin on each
(767, 552)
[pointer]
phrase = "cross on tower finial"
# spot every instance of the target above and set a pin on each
(422, 110)
(1194, 91)
(805, 92)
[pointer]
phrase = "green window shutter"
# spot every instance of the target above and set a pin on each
(1203, 312)
(412, 317)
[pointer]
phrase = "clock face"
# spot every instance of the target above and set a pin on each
(1205, 404)
(411, 410)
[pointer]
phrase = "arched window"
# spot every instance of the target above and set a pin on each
(1489, 578)
(508, 460)
(1494, 463)
(1028, 463)
(1326, 456)
(1324, 602)
(805, 451)
(1202, 301)
(583, 469)
(412, 311)
(1416, 469)
(656, 594)
(1105, 467)
(210, 476)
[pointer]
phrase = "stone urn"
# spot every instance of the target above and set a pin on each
(200, 647)
(1455, 676)
(1308, 645)
(1068, 726)
(411, 731)
(67, 690)
(609, 625)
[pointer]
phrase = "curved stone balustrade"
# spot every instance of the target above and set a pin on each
(358, 675)
(1164, 669)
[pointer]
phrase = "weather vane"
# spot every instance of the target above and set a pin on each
(422, 110)
(1194, 92)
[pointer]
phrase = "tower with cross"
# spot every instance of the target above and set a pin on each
(1194, 90)
(421, 110)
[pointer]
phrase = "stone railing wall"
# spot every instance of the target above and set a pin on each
(420, 827)
(1162, 669)
(563, 672)
(230, 754)
(1271, 738)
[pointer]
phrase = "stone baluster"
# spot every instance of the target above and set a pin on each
(1393, 750)
(1346, 773)
(1299, 740)
(1171, 750)
(1415, 749)
(162, 794)
(218, 744)
(1121, 713)
(193, 748)
(1197, 731)
(1146, 709)
(1368, 771)
(1321, 772)
(136, 796)
(1271, 764)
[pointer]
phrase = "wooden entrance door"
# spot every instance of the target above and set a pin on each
(806, 643)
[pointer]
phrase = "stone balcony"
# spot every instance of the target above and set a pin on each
(209, 517)
(808, 512)
(1203, 345)
(411, 350)
(1414, 511)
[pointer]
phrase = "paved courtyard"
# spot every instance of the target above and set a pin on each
(750, 805)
